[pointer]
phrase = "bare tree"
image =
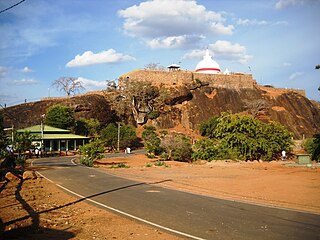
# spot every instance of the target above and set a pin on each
(69, 85)
(137, 99)
(256, 107)
(154, 66)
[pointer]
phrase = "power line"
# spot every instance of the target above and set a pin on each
(12, 6)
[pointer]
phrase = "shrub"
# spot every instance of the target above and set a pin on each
(119, 165)
(243, 137)
(177, 146)
(312, 146)
(151, 141)
(90, 152)
(153, 115)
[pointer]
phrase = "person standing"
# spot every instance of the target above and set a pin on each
(36, 152)
(283, 154)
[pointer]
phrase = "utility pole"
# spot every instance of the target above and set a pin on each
(118, 137)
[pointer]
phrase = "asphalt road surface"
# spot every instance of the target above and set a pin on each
(188, 215)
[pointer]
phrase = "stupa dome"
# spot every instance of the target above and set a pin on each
(208, 65)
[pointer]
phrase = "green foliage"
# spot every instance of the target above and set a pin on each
(60, 116)
(151, 141)
(3, 139)
(160, 164)
(119, 165)
(128, 136)
(148, 164)
(23, 141)
(153, 115)
(93, 126)
(81, 127)
(312, 146)
(177, 146)
(21, 160)
(207, 149)
(207, 128)
(243, 137)
(91, 152)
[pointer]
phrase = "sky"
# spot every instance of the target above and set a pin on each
(278, 41)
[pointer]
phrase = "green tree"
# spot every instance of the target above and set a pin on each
(312, 146)
(128, 136)
(22, 143)
(60, 116)
(93, 126)
(81, 127)
(151, 141)
(244, 137)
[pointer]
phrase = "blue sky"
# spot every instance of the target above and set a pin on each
(278, 41)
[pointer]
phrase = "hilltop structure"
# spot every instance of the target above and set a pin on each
(208, 65)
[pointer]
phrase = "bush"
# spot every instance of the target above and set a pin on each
(312, 146)
(151, 141)
(90, 152)
(177, 146)
(242, 137)
(153, 115)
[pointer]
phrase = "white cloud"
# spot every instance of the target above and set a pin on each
(26, 70)
(194, 54)
(295, 75)
(90, 58)
(164, 22)
(90, 85)
(223, 50)
(286, 64)
(174, 42)
(227, 50)
(25, 82)
(281, 4)
(219, 29)
(245, 22)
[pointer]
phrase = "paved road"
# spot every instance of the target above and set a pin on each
(198, 216)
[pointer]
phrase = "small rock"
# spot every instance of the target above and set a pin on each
(11, 177)
(29, 175)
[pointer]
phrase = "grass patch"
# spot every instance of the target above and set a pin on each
(119, 165)
(148, 164)
(160, 164)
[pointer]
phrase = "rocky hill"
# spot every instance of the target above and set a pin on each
(187, 106)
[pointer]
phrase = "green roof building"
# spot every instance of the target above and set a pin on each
(56, 139)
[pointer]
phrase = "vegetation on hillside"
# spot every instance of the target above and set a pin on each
(60, 116)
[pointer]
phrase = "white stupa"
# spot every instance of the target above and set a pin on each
(208, 65)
